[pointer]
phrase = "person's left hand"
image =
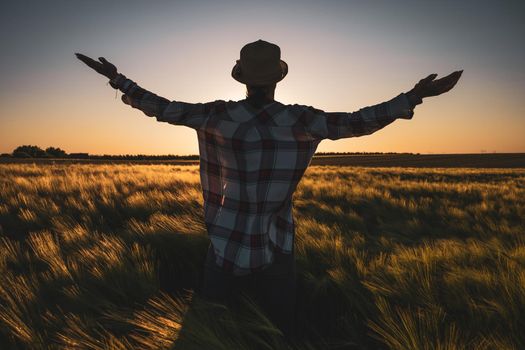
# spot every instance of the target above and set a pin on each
(428, 87)
(103, 67)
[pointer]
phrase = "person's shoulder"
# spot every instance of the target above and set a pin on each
(297, 108)
(218, 106)
(225, 104)
(288, 115)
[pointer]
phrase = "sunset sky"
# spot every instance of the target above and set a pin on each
(342, 55)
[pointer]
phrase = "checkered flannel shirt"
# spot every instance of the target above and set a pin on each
(251, 160)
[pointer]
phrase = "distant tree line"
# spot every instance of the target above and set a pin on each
(30, 151)
(143, 157)
(357, 153)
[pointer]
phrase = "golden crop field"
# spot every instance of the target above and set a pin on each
(108, 257)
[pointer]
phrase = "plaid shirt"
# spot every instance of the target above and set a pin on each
(251, 160)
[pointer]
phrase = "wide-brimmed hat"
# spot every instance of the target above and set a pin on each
(260, 64)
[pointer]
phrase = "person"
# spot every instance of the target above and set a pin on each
(253, 153)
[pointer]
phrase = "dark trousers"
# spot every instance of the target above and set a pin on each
(273, 288)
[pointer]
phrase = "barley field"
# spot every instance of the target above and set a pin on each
(105, 256)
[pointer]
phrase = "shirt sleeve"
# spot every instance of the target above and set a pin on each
(336, 125)
(174, 112)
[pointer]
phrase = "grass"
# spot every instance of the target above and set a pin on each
(109, 256)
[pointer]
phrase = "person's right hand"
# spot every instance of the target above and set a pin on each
(103, 67)
(429, 87)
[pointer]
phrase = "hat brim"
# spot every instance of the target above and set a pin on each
(237, 75)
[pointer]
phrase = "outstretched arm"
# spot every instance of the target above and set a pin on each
(135, 96)
(173, 112)
(334, 125)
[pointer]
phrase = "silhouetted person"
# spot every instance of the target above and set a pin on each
(253, 152)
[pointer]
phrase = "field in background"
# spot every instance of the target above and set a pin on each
(101, 256)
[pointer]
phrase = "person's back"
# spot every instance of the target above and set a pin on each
(253, 154)
(251, 162)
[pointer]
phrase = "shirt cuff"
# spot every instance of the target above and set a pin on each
(413, 99)
(401, 107)
(121, 82)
